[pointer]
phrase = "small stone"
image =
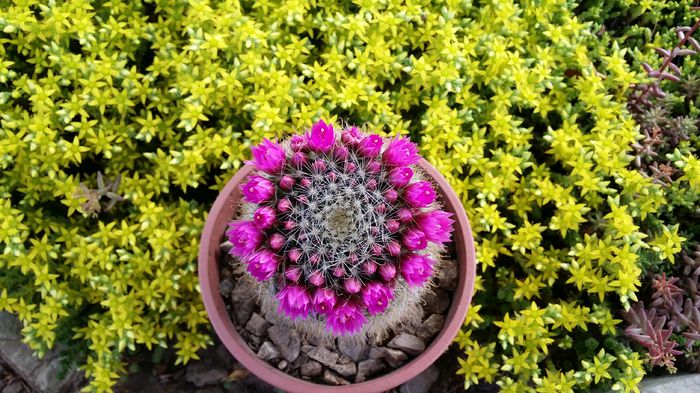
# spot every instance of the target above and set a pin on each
(323, 355)
(14, 387)
(225, 247)
(296, 364)
(354, 349)
(242, 306)
(344, 359)
(225, 287)
(422, 382)
(346, 369)
(367, 368)
(334, 379)
(408, 343)
(394, 357)
(253, 341)
(436, 301)
(286, 340)
(448, 279)
(257, 325)
(376, 353)
(268, 351)
(202, 375)
(282, 364)
(431, 326)
(311, 369)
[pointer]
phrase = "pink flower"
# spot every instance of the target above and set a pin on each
(297, 142)
(322, 137)
(399, 177)
(391, 195)
(287, 182)
(437, 225)
(416, 269)
(352, 285)
(387, 271)
(371, 145)
(264, 217)
(351, 136)
(394, 248)
(268, 157)
(414, 239)
(295, 302)
(284, 205)
(419, 194)
(298, 159)
(401, 151)
(341, 152)
(346, 318)
(262, 265)
(245, 237)
(277, 241)
(258, 189)
(369, 267)
(376, 296)
(294, 254)
(393, 225)
(324, 300)
(404, 215)
(317, 278)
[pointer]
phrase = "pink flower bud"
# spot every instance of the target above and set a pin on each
(289, 225)
(294, 254)
(317, 278)
(387, 271)
(401, 151)
(321, 138)
(305, 182)
(353, 258)
(350, 167)
(373, 166)
(399, 177)
(352, 285)
(394, 248)
(303, 199)
(319, 166)
(277, 241)
(332, 177)
(372, 184)
(391, 195)
(298, 159)
(324, 300)
(293, 273)
(284, 205)
(414, 239)
(392, 225)
(315, 259)
(370, 146)
(369, 267)
(419, 194)
(287, 182)
(264, 217)
(416, 269)
(341, 153)
(381, 208)
(351, 136)
(297, 142)
(376, 297)
(376, 249)
(257, 189)
(404, 215)
(339, 272)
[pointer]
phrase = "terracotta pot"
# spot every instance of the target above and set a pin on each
(209, 255)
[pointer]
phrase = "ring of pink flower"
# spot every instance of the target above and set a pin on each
(316, 268)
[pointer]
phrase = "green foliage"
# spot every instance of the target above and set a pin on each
(521, 106)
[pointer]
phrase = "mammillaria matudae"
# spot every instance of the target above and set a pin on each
(339, 218)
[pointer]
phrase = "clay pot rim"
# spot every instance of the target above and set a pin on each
(220, 214)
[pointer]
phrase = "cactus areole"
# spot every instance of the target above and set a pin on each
(335, 220)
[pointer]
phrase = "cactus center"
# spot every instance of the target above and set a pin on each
(339, 222)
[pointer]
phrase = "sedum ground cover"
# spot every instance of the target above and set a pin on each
(120, 120)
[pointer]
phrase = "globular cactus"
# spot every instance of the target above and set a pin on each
(340, 229)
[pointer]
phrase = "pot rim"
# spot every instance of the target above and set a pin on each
(209, 253)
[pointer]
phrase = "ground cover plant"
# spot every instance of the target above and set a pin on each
(120, 120)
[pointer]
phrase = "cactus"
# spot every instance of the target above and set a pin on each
(340, 230)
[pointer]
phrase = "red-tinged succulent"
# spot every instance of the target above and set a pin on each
(340, 220)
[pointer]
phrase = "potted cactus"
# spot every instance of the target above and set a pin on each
(339, 237)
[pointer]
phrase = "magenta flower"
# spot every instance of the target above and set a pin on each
(371, 145)
(293, 274)
(399, 177)
(351, 136)
(277, 241)
(324, 300)
(258, 189)
(387, 272)
(295, 302)
(287, 182)
(419, 194)
(414, 239)
(317, 278)
(264, 217)
(376, 297)
(401, 151)
(245, 237)
(416, 269)
(262, 265)
(437, 225)
(322, 137)
(268, 157)
(346, 318)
